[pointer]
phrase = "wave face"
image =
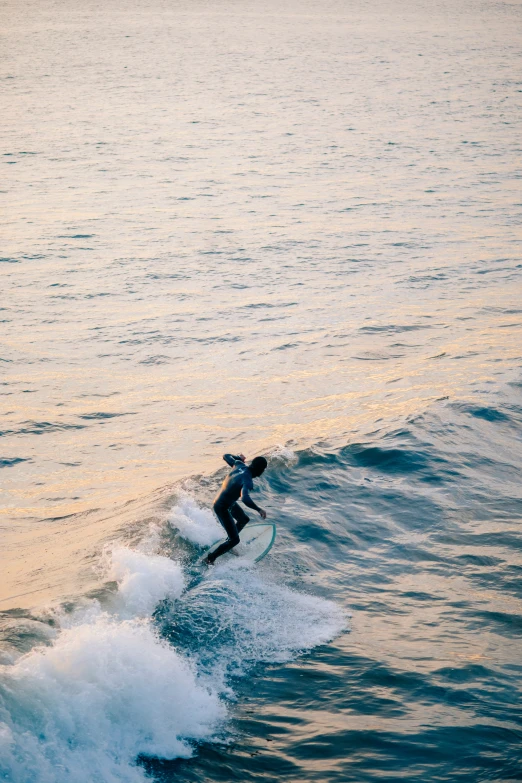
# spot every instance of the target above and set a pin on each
(252, 672)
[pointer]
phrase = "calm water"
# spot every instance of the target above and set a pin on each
(277, 228)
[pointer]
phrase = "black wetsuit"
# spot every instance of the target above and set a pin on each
(237, 484)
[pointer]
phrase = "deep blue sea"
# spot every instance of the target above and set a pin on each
(281, 228)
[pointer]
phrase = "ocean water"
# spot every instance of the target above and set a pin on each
(282, 228)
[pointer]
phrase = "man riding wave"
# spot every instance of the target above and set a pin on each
(238, 484)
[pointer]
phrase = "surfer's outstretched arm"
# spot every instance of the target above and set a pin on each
(231, 460)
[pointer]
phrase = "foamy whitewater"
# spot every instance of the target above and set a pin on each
(109, 688)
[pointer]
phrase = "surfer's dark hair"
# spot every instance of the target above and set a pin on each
(257, 466)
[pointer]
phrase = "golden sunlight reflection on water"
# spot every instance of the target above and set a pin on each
(234, 229)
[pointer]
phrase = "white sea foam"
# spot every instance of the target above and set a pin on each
(143, 580)
(240, 617)
(284, 454)
(193, 522)
(106, 691)
(275, 623)
(109, 688)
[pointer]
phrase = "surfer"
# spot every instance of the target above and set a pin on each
(230, 514)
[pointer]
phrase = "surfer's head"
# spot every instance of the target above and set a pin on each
(257, 466)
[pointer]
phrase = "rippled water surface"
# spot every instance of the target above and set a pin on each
(282, 228)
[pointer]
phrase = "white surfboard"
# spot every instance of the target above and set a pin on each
(256, 542)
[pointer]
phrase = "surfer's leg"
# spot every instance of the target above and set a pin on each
(224, 516)
(240, 516)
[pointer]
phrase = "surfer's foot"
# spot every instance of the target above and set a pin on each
(207, 561)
